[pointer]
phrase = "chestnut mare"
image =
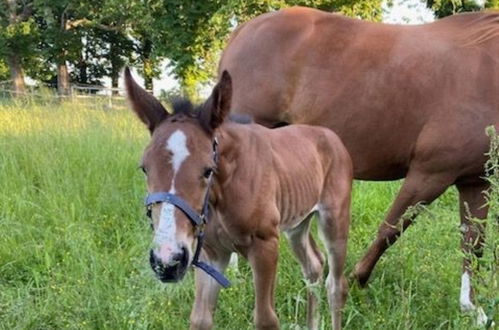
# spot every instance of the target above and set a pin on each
(255, 182)
(407, 101)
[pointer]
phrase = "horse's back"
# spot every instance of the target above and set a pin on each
(373, 84)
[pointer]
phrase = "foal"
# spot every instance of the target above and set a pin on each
(255, 182)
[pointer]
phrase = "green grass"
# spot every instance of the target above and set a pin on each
(74, 241)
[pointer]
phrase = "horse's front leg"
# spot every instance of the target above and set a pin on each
(262, 256)
(207, 289)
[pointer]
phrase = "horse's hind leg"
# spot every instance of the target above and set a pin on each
(418, 187)
(472, 206)
(207, 290)
(311, 262)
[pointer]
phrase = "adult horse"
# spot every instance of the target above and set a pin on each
(407, 101)
(248, 178)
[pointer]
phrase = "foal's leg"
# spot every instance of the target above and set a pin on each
(312, 264)
(207, 290)
(418, 187)
(262, 256)
(334, 232)
(472, 205)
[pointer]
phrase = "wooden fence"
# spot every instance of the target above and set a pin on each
(97, 97)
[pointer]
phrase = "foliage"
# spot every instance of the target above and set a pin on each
(487, 282)
(18, 32)
(4, 70)
(444, 8)
(492, 4)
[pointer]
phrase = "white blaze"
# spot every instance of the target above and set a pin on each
(165, 234)
(177, 145)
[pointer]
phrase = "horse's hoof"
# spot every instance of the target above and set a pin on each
(359, 278)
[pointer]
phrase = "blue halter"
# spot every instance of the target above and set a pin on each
(198, 220)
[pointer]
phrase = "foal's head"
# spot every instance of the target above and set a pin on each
(179, 160)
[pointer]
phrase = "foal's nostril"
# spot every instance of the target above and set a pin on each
(182, 258)
(154, 261)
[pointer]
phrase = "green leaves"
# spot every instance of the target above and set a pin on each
(444, 8)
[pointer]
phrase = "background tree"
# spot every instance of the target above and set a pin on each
(4, 70)
(74, 36)
(444, 8)
(18, 36)
(119, 51)
(492, 4)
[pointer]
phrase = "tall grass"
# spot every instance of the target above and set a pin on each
(74, 241)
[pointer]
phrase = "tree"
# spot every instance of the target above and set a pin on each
(492, 4)
(18, 34)
(119, 50)
(4, 71)
(69, 25)
(444, 8)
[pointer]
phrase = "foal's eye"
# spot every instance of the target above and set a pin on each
(142, 168)
(207, 172)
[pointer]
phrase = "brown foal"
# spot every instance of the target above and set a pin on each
(264, 182)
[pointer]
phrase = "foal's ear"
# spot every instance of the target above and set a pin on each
(217, 107)
(146, 106)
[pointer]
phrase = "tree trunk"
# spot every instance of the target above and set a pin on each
(148, 65)
(116, 65)
(148, 75)
(13, 58)
(62, 66)
(82, 67)
(62, 78)
(114, 82)
(17, 74)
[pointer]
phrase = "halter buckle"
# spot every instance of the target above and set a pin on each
(199, 230)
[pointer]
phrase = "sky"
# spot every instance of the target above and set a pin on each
(407, 12)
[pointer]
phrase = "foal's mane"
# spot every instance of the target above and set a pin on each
(182, 106)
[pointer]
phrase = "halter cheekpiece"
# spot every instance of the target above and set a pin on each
(198, 221)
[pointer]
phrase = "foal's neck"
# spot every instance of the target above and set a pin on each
(244, 156)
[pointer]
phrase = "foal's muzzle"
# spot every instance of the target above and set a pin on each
(172, 272)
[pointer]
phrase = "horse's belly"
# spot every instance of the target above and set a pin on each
(294, 220)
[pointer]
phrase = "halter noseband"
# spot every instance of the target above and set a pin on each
(198, 220)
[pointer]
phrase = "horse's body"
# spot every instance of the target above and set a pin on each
(407, 101)
(266, 181)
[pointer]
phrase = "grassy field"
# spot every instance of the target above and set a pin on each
(74, 241)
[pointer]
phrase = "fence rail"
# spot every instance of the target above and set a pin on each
(91, 96)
